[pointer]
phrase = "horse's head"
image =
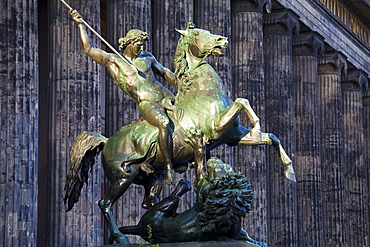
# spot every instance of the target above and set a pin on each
(201, 43)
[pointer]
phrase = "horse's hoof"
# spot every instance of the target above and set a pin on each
(185, 185)
(149, 201)
(290, 175)
(120, 238)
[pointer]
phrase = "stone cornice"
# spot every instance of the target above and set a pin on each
(282, 22)
(366, 98)
(333, 63)
(355, 81)
(251, 6)
(314, 15)
(308, 44)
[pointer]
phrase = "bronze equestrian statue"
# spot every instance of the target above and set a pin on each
(133, 155)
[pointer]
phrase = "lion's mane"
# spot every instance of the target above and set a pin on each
(228, 199)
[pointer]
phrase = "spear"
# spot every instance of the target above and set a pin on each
(102, 39)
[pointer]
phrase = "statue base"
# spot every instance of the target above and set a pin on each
(193, 244)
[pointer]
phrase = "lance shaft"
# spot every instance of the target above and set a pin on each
(102, 39)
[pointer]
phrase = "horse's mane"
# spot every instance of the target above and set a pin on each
(228, 199)
(181, 65)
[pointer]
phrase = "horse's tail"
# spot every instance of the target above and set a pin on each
(85, 148)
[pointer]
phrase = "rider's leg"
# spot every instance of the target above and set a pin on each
(156, 115)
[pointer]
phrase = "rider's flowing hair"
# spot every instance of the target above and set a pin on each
(134, 35)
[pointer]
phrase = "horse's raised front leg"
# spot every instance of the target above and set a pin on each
(115, 191)
(222, 122)
(271, 139)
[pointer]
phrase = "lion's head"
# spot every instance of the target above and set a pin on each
(224, 197)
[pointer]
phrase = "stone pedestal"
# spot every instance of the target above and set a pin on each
(355, 166)
(306, 49)
(278, 30)
(193, 244)
(248, 78)
(331, 67)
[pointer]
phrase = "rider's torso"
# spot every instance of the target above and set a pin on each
(138, 87)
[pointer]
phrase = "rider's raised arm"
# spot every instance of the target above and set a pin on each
(96, 54)
(167, 74)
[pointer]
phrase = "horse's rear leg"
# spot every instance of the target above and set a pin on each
(153, 184)
(115, 191)
(224, 120)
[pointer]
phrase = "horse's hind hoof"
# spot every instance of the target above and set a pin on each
(119, 238)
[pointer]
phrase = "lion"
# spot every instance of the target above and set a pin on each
(224, 197)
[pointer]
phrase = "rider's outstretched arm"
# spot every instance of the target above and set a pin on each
(96, 54)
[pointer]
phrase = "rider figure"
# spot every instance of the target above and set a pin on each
(139, 83)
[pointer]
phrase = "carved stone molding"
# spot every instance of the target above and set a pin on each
(251, 5)
(308, 44)
(355, 81)
(366, 100)
(333, 63)
(283, 22)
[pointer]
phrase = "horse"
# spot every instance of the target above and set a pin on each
(209, 119)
